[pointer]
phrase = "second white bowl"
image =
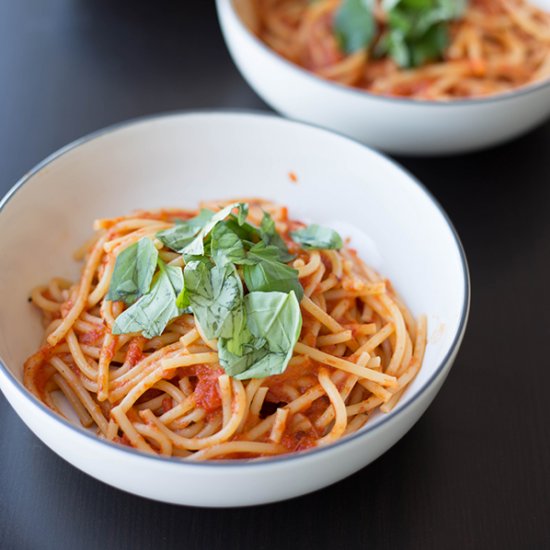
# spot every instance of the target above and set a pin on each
(395, 125)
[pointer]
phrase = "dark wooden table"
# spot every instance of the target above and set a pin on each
(473, 473)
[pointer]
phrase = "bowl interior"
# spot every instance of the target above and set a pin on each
(178, 160)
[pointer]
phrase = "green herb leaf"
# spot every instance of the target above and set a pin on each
(182, 301)
(216, 296)
(153, 311)
(196, 247)
(317, 237)
(183, 233)
(255, 364)
(246, 231)
(226, 246)
(432, 44)
(134, 270)
(275, 317)
(354, 25)
(242, 213)
(418, 30)
(268, 273)
(274, 324)
(269, 236)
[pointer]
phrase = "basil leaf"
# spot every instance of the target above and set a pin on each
(196, 246)
(418, 30)
(430, 46)
(226, 246)
(274, 316)
(246, 231)
(242, 213)
(256, 364)
(153, 311)
(264, 252)
(134, 270)
(268, 273)
(317, 237)
(183, 233)
(215, 295)
(274, 323)
(182, 301)
(269, 236)
(354, 25)
(393, 43)
(413, 4)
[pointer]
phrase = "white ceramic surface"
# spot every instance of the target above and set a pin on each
(177, 160)
(396, 125)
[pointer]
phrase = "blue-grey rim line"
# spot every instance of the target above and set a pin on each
(504, 96)
(267, 461)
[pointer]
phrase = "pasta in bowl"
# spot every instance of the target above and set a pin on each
(288, 370)
(430, 77)
(202, 335)
(430, 50)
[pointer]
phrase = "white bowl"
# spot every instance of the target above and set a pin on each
(178, 160)
(396, 125)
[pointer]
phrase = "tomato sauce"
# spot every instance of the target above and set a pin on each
(93, 337)
(109, 351)
(299, 441)
(207, 392)
(135, 350)
(167, 404)
(291, 375)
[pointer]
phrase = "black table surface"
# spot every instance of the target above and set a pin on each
(473, 473)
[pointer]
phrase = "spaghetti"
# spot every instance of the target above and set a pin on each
(358, 349)
(496, 46)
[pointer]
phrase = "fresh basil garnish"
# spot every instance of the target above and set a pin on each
(274, 322)
(269, 236)
(134, 270)
(256, 333)
(317, 237)
(242, 213)
(417, 30)
(215, 295)
(188, 237)
(196, 247)
(226, 246)
(246, 232)
(267, 273)
(184, 232)
(354, 25)
(153, 311)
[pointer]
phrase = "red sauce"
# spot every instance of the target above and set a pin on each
(167, 404)
(292, 374)
(93, 337)
(293, 177)
(123, 440)
(135, 350)
(207, 393)
(299, 441)
(109, 351)
(408, 88)
(318, 407)
(42, 374)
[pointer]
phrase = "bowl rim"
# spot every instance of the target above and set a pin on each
(526, 89)
(304, 455)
